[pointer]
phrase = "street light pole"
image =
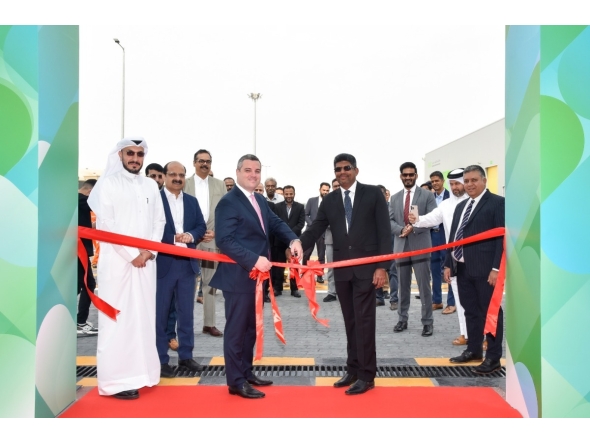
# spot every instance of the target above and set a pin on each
(255, 97)
(123, 96)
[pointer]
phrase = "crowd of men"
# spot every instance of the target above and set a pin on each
(257, 223)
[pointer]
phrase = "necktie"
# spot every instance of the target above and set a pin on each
(257, 208)
(459, 235)
(348, 207)
(407, 208)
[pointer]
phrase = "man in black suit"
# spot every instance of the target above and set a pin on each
(358, 218)
(311, 211)
(477, 266)
(293, 214)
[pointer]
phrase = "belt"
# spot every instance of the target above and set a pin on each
(436, 230)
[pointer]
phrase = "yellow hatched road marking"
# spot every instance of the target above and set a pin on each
(446, 362)
(382, 382)
(218, 360)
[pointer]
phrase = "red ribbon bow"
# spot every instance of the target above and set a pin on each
(307, 283)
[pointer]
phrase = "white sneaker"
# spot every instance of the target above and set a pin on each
(87, 329)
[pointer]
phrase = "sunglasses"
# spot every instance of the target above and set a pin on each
(409, 175)
(131, 153)
(345, 168)
(153, 176)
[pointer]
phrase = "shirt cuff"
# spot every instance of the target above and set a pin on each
(294, 240)
(495, 269)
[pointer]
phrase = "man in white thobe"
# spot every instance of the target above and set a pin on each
(444, 214)
(125, 202)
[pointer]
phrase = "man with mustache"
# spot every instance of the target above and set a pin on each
(185, 226)
(208, 192)
(126, 202)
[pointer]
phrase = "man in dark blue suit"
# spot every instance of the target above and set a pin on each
(176, 274)
(243, 224)
(476, 266)
(437, 258)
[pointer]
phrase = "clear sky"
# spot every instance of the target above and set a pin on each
(386, 84)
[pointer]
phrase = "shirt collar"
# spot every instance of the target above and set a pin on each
(352, 188)
(169, 194)
(478, 198)
(198, 179)
(243, 190)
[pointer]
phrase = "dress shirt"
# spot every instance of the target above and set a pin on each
(202, 195)
(439, 197)
(276, 198)
(477, 199)
(177, 209)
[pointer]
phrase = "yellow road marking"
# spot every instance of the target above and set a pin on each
(178, 381)
(446, 362)
(218, 360)
(85, 360)
(87, 382)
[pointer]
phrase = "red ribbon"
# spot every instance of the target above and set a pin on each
(260, 277)
(310, 270)
(101, 305)
(307, 283)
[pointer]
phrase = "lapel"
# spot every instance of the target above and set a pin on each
(400, 208)
(360, 191)
(210, 180)
(244, 200)
(167, 211)
(479, 206)
(340, 206)
(417, 195)
(185, 222)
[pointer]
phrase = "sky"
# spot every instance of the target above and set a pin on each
(384, 82)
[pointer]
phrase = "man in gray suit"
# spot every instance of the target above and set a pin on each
(408, 238)
(311, 211)
(329, 241)
(208, 192)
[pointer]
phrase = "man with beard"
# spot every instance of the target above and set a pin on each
(229, 183)
(130, 204)
(176, 274)
(156, 172)
(270, 185)
(407, 238)
(208, 192)
(444, 214)
(311, 211)
(332, 295)
(293, 214)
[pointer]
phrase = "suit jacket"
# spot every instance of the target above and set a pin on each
(480, 257)
(193, 223)
(216, 191)
(239, 235)
(369, 233)
(419, 238)
(295, 220)
(311, 210)
(85, 220)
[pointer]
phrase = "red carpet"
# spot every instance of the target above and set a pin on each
(297, 402)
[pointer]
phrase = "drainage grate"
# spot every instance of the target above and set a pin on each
(311, 371)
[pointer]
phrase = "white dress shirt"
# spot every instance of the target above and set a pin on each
(177, 209)
(469, 199)
(352, 193)
(202, 195)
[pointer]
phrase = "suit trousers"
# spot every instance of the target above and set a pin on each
(330, 272)
(84, 301)
(207, 271)
(321, 247)
(277, 273)
(357, 301)
(476, 295)
(422, 271)
(179, 281)
(239, 336)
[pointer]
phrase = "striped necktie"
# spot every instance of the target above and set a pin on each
(459, 235)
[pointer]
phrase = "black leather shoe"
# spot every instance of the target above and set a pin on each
(400, 326)
(246, 391)
(255, 380)
(267, 298)
(330, 298)
(127, 394)
(380, 303)
(295, 294)
(427, 330)
(190, 364)
(320, 280)
(487, 366)
(360, 387)
(166, 371)
(346, 380)
(393, 306)
(278, 293)
(466, 356)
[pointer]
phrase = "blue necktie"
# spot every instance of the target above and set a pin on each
(348, 207)
(459, 235)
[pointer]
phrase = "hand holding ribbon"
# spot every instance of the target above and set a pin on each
(307, 283)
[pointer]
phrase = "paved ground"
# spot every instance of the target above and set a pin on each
(307, 338)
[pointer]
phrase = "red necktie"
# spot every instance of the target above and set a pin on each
(407, 208)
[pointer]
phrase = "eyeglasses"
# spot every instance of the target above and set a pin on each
(408, 174)
(173, 175)
(153, 176)
(203, 162)
(345, 168)
(131, 153)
